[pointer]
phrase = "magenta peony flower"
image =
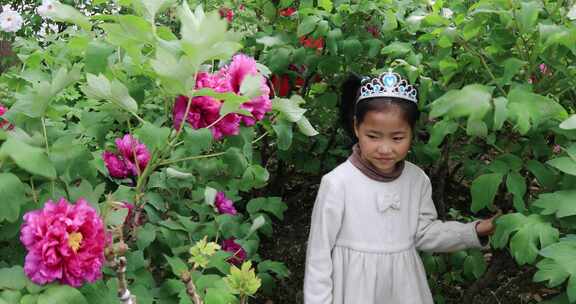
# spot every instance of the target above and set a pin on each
(204, 110)
(65, 243)
(240, 67)
(116, 166)
(4, 122)
(133, 153)
(239, 254)
(224, 205)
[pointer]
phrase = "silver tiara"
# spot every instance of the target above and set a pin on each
(388, 84)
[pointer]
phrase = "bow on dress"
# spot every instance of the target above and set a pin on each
(387, 201)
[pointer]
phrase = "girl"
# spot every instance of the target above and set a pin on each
(375, 211)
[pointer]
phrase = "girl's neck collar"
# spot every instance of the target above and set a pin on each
(372, 172)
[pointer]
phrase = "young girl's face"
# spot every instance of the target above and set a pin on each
(384, 138)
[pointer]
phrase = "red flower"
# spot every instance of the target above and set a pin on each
(287, 12)
(226, 13)
(373, 30)
(281, 84)
(309, 42)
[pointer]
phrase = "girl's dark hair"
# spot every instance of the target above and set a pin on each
(350, 109)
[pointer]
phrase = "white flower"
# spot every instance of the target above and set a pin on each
(10, 21)
(447, 13)
(47, 7)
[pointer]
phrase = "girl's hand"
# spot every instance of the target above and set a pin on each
(486, 227)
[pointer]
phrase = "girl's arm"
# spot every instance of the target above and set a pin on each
(437, 236)
(326, 222)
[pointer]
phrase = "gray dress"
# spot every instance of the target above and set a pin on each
(365, 235)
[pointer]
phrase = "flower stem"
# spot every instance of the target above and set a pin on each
(191, 288)
(168, 162)
(123, 292)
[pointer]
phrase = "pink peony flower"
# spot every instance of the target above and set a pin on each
(544, 69)
(133, 153)
(556, 149)
(116, 166)
(239, 68)
(205, 111)
(239, 254)
(4, 122)
(224, 205)
(65, 243)
(132, 159)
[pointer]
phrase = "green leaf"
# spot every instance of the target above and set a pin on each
(273, 205)
(145, 235)
(560, 203)
(277, 268)
(255, 176)
(96, 59)
(390, 22)
(500, 112)
(530, 232)
(528, 16)
(332, 41)
(152, 136)
(484, 189)
(570, 123)
(307, 25)
(326, 5)
(99, 87)
(474, 264)
(529, 110)
(175, 72)
(289, 108)
(257, 223)
(204, 36)
(564, 164)
(251, 86)
(29, 158)
(559, 264)
(397, 49)
(66, 13)
(12, 278)
(440, 130)
(218, 296)
(306, 127)
(131, 33)
(244, 280)
(517, 186)
(178, 266)
(283, 130)
(236, 161)
(210, 196)
(472, 101)
(149, 8)
(352, 48)
(512, 66)
(197, 141)
(116, 217)
(61, 294)
(544, 175)
(13, 194)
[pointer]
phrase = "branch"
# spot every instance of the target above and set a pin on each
(191, 288)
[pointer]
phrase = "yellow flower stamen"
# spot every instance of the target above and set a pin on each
(74, 240)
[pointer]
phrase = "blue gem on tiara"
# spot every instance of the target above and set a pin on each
(390, 80)
(388, 84)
